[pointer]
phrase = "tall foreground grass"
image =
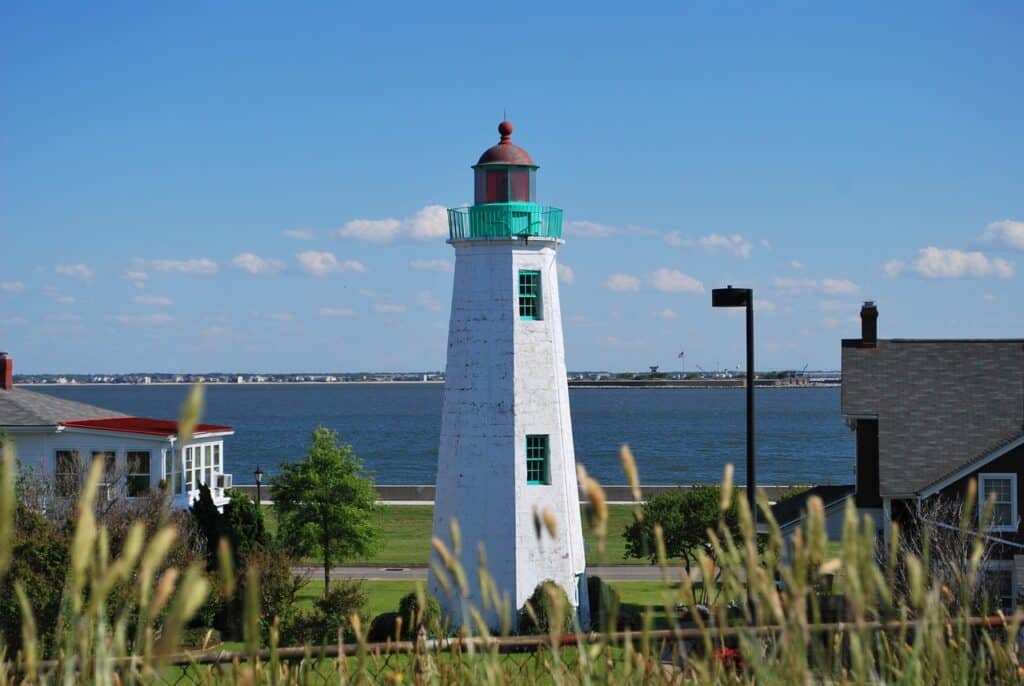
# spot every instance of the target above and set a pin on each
(923, 633)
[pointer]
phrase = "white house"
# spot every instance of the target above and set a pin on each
(60, 438)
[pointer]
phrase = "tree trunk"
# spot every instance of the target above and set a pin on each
(327, 567)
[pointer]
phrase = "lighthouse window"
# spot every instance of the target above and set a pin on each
(537, 471)
(529, 295)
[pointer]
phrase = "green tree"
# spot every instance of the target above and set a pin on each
(325, 504)
(685, 515)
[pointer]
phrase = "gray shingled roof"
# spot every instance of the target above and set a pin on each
(19, 407)
(941, 404)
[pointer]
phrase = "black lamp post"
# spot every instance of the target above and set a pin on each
(259, 479)
(744, 297)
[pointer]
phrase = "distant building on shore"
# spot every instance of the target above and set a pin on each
(58, 439)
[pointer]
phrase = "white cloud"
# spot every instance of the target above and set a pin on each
(622, 283)
(948, 263)
(337, 312)
(796, 264)
(433, 265)
(254, 264)
(74, 271)
(667, 313)
(588, 229)
(1006, 233)
(151, 300)
(736, 244)
(763, 305)
(197, 265)
(674, 239)
(64, 317)
(12, 286)
(278, 316)
(387, 307)
(989, 297)
(565, 274)
(838, 286)
(827, 285)
(65, 299)
(893, 268)
(142, 318)
(299, 234)
(138, 278)
(373, 230)
(766, 244)
(429, 223)
(674, 281)
(427, 300)
(320, 263)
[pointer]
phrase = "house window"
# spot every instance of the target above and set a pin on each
(109, 458)
(138, 473)
(66, 473)
(172, 471)
(1002, 489)
(188, 471)
(537, 470)
(529, 295)
(1000, 586)
(209, 466)
(217, 469)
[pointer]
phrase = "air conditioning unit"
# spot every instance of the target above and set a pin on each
(223, 481)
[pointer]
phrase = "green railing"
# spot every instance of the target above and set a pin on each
(504, 220)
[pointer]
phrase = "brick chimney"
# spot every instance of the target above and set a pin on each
(6, 372)
(869, 324)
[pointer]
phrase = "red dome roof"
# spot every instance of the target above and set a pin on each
(506, 152)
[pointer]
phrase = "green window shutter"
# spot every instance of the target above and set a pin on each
(538, 471)
(529, 295)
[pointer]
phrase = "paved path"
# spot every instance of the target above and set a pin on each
(608, 573)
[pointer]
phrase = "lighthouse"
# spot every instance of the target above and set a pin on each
(506, 461)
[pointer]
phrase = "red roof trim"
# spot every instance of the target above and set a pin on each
(142, 425)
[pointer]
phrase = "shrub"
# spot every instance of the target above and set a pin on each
(414, 617)
(332, 613)
(385, 627)
(604, 604)
(39, 561)
(547, 610)
(200, 637)
(278, 590)
(243, 525)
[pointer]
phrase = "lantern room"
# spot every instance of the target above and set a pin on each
(505, 172)
(504, 197)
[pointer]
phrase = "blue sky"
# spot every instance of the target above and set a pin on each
(250, 186)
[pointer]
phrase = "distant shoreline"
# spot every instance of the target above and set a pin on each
(616, 384)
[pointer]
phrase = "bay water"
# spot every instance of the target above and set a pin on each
(679, 436)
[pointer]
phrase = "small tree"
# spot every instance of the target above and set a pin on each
(325, 503)
(685, 515)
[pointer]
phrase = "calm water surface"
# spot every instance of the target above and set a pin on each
(677, 435)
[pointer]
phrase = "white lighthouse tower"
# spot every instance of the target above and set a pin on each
(506, 452)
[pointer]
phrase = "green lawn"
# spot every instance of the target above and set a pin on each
(406, 530)
(384, 596)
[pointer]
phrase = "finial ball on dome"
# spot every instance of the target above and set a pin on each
(505, 129)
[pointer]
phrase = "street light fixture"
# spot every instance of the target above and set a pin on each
(259, 479)
(744, 297)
